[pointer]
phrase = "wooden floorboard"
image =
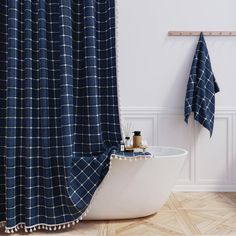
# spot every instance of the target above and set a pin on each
(185, 213)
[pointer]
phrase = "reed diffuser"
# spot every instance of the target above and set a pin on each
(127, 131)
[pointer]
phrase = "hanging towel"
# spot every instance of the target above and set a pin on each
(201, 88)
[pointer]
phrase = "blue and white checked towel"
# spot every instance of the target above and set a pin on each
(201, 89)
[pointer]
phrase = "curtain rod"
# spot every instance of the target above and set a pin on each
(206, 33)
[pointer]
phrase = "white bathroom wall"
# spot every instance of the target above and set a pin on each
(153, 73)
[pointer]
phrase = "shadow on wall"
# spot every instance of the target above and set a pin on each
(213, 156)
(177, 89)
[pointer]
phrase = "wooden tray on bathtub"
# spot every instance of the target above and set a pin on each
(133, 149)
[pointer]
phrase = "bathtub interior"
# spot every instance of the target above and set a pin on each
(158, 151)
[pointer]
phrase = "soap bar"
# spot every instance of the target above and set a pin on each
(138, 150)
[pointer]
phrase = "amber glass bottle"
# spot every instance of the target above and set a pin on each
(137, 139)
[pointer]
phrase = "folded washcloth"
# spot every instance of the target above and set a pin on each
(132, 154)
(201, 89)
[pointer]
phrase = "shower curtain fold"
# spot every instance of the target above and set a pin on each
(58, 108)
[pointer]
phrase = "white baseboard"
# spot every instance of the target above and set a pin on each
(204, 188)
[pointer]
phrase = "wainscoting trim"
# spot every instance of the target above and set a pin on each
(192, 181)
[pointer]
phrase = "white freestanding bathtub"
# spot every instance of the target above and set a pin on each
(138, 188)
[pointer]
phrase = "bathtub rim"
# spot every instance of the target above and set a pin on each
(183, 154)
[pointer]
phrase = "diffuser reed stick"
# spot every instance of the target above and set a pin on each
(127, 128)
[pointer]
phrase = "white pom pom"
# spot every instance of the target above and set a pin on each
(55, 228)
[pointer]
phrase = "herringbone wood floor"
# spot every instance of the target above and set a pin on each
(190, 214)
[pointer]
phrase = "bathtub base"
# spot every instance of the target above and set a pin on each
(115, 218)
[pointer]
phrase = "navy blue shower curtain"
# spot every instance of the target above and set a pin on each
(59, 118)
